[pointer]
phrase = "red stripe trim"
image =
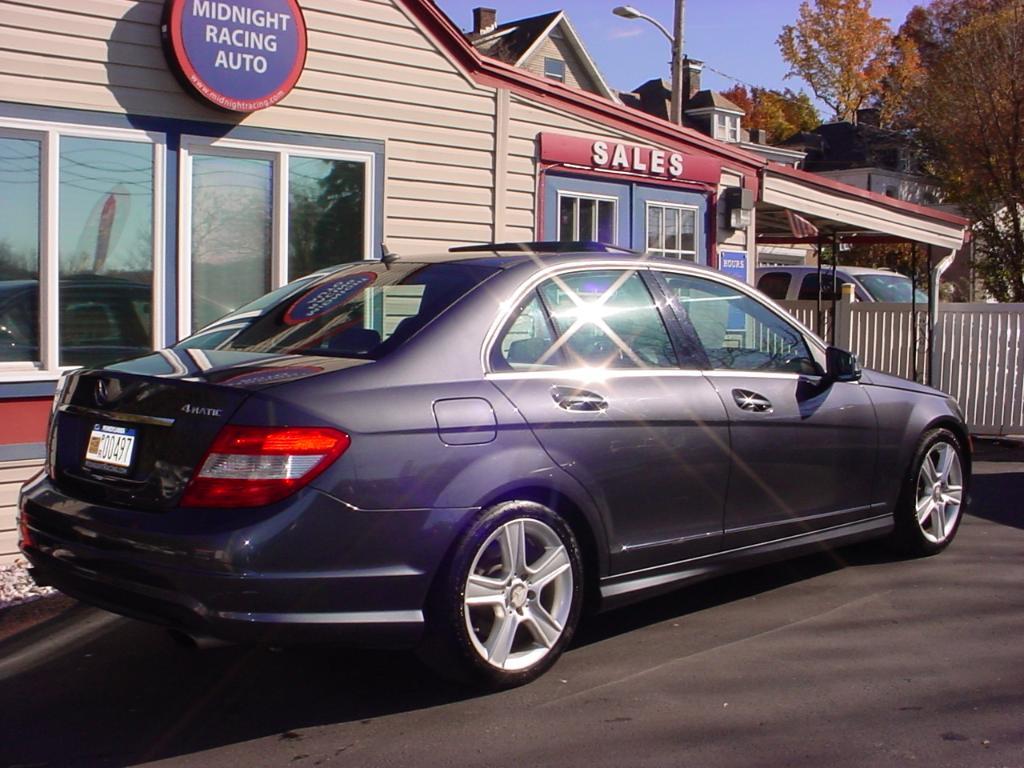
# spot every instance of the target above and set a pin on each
(24, 420)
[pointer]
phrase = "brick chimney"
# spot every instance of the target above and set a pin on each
(691, 77)
(484, 20)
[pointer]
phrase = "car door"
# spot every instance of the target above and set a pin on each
(803, 448)
(587, 359)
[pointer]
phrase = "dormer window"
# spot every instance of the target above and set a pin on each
(554, 68)
(727, 127)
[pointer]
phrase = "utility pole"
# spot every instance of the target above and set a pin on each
(676, 41)
(677, 64)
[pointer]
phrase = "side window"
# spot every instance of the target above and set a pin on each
(528, 343)
(737, 332)
(608, 319)
(809, 287)
(775, 285)
(596, 319)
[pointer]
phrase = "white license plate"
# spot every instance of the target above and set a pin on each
(110, 446)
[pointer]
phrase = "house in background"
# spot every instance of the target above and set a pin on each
(545, 45)
(867, 156)
(709, 112)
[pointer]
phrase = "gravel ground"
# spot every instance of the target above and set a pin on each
(17, 587)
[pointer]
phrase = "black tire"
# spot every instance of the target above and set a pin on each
(459, 636)
(933, 529)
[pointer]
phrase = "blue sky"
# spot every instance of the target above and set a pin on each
(736, 37)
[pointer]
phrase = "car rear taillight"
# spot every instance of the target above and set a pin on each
(253, 466)
(25, 539)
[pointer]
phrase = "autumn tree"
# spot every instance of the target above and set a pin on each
(933, 27)
(779, 113)
(970, 113)
(840, 50)
(904, 74)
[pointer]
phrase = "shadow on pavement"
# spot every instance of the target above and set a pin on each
(996, 495)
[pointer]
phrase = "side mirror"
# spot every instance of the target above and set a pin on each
(841, 365)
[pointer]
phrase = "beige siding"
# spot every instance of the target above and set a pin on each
(370, 73)
(12, 475)
(575, 74)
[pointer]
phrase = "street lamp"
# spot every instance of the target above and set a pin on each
(676, 41)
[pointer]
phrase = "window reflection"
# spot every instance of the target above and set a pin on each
(606, 319)
(19, 249)
(672, 231)
(326, 207)
(105, 250)
(586, 218)
(232, 200)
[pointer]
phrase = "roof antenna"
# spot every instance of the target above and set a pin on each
(387, 257)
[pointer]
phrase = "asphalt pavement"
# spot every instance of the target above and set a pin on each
(853, 658)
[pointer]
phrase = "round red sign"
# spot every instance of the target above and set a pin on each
(240, 55)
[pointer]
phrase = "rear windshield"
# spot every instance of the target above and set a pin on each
(364, 310)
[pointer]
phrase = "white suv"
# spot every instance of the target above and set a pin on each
(790, 283)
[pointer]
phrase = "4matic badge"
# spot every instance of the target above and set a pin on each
(200, 410)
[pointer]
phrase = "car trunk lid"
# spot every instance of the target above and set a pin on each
(132, 436)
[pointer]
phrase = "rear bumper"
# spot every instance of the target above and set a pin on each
(178, 610)
(309, 570)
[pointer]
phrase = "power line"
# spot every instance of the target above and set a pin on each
(752, 87)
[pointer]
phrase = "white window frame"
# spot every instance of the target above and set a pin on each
(727, 127)
(676, 253)
(49, 134)
(576, 224)
(279, 155)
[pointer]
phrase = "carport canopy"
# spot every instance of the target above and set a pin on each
(847, 213)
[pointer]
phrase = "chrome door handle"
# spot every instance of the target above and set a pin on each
(751, 401)
(578, 400)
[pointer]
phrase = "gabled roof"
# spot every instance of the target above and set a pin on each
(515, 41)
(509, 42)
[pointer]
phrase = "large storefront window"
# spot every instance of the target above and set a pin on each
(77, 246)
(20, 171)
(105, 250)
(261, 215)
(89, 209)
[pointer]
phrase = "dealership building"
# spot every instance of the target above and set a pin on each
(162, 163)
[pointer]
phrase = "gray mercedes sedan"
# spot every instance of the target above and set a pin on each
(460, 454)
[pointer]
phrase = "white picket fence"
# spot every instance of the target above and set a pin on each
(976, 353)
(978, 357)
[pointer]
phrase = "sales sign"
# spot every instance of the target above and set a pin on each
(618, 157)
(240, 55)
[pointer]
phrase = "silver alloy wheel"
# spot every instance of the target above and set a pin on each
(518, 594)
(939, 492)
